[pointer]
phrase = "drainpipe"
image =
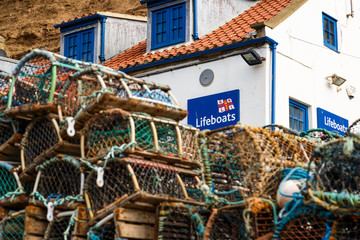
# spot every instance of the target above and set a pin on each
(195, 35)
(273, 80)
(102, 47)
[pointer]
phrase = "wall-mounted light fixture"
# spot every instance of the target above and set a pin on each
(336, 80)
(251, 57)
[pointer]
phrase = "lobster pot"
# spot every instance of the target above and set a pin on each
(336, 183)
(60, 227)
(243, 162)
(104, 232)
(354, 128)
(45, 78)
(319, 134)
(129, 175)
(8, 183)
(12, 226)
(5, 79)
(240, 222)
(346, 228)
(154, 137)
(304, 223)
(40, 135)
(60, 179)
(178, 221)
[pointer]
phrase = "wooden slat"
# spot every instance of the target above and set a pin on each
(18, 202)
(127, 230)
(32, 237)
(135, 216)
(81, 228)
(35, 211)
(31, 110)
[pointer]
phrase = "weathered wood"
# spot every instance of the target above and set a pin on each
(156, 199)
(134, 216)
(65, 206)
(18, 202)
(35, 220)
(3, 212)
(81, 228)
(31, 110)
(127, 230)
(111, 207)
(32, 237)
(9, 148)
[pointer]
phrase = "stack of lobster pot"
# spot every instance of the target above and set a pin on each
(87, 151)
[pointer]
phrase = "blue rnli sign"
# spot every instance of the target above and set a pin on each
(214, 111)
(331, 122)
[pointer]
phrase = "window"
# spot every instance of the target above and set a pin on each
(80, 45)
(298, 119)
(330, 32)
(168, 26)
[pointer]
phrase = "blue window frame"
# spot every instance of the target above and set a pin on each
(298, 116)
(168, 26)
(330, 32)
(80, 45)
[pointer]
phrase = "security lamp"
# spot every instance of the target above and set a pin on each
(251, 57)
(335, 80)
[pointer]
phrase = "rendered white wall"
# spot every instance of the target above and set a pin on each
(303, 61)
(229, 74)
(121, 34)
(7, 64)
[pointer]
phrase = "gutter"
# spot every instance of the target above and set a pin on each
(196, 34)
(102, 46)
(273, 81)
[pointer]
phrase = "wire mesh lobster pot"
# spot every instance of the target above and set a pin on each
(61, 227)
(8, 183)
(336, 183)
(354, 128)
(320, 134)
(5, 80)
(104, 232)
(10, 136)
(60, 180)
(303, 222)
(130, 175)
(179, 221)
(43, 79)
(243, 162)
(249, 220)
(12, 226)
(346, 228)
(154, 137)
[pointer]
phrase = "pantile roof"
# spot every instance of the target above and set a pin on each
(231, 32)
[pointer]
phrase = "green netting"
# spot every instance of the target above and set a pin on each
(8, 182)
(12, 227)
(143, 134)
(167, 137)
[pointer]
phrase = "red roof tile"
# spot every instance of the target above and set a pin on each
(231, 32)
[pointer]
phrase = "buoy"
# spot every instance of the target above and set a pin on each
(288, 187)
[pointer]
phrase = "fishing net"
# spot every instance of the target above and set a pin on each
(154, 136)
(39, 136)
(105, 232)
(134, 175)
(178, 221)
(346, 228)
(354, 128)
(12, 226)
(5, 79)
(250, 220)
(280, 128)
(320, 134)
(7, 129)
(335, 183)
(60, 228)
(8, 182)
(242, 161)
(60, 180)
(303, 222)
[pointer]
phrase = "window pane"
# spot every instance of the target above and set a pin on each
(296, 112)
(296, 125)
(332, 39)
(291, 123)
(331, 29)
(326, 24)
(301, 126)
(301, 115)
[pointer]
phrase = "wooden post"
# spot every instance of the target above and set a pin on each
(134, 224)
(81, 228)
(35, 222)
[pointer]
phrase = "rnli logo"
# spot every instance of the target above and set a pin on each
(225, 105)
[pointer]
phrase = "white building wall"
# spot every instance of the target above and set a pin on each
(121, 34)
(303, 62)
(7, 64)
(229, 74)
(218, 12)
